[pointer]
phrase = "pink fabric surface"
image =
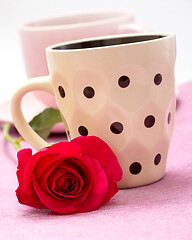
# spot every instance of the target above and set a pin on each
(162, 210)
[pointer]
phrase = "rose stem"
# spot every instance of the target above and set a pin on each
(15, 142)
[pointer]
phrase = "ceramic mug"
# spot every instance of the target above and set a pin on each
(37, 35)
(118, 88)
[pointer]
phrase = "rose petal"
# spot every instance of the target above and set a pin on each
(69, 163)
(63, 173)
(53, 203)
(88, 177)
(27, 173)
(75, 186)
(65, 183)
(26, 197)
(45, 161)
(33, 201)
(39, 162)
(23, 156)
(96, 148)
(97, 192)
(48, 162)
(62, 147)
(49, 167)
(46, 187)
(23, 198)
(93, 200)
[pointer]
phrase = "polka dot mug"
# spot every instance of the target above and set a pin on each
(120, 88)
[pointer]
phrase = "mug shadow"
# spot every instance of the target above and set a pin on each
(174, 187)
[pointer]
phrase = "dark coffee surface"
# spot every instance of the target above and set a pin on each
(108, 42)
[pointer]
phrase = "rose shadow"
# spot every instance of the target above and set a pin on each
(35, 213)
(173, 187)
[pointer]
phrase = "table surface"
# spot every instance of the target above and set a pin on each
(162, 210)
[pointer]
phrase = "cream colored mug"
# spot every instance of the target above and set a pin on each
(119, 88)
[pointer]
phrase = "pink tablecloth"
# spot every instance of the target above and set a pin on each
(158, 211)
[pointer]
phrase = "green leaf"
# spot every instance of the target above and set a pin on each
(43, 122)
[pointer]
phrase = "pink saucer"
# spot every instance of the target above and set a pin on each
(31, 107)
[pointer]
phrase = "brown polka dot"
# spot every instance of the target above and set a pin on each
(149, 121)
(158, 79)
(61, 91)
(135, 168)
(157, 159)
(116, 127)
(89, 92)
(83, 131)
(124, 81)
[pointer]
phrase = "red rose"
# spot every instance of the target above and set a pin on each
(76, 176)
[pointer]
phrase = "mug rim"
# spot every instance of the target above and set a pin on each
(113, 16)
(160, 37)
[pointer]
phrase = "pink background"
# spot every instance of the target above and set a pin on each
(161, 16)
(158, 211)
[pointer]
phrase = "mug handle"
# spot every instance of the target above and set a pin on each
(133, 28)
(25, 130)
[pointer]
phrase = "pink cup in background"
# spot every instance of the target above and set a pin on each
(37, 35)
